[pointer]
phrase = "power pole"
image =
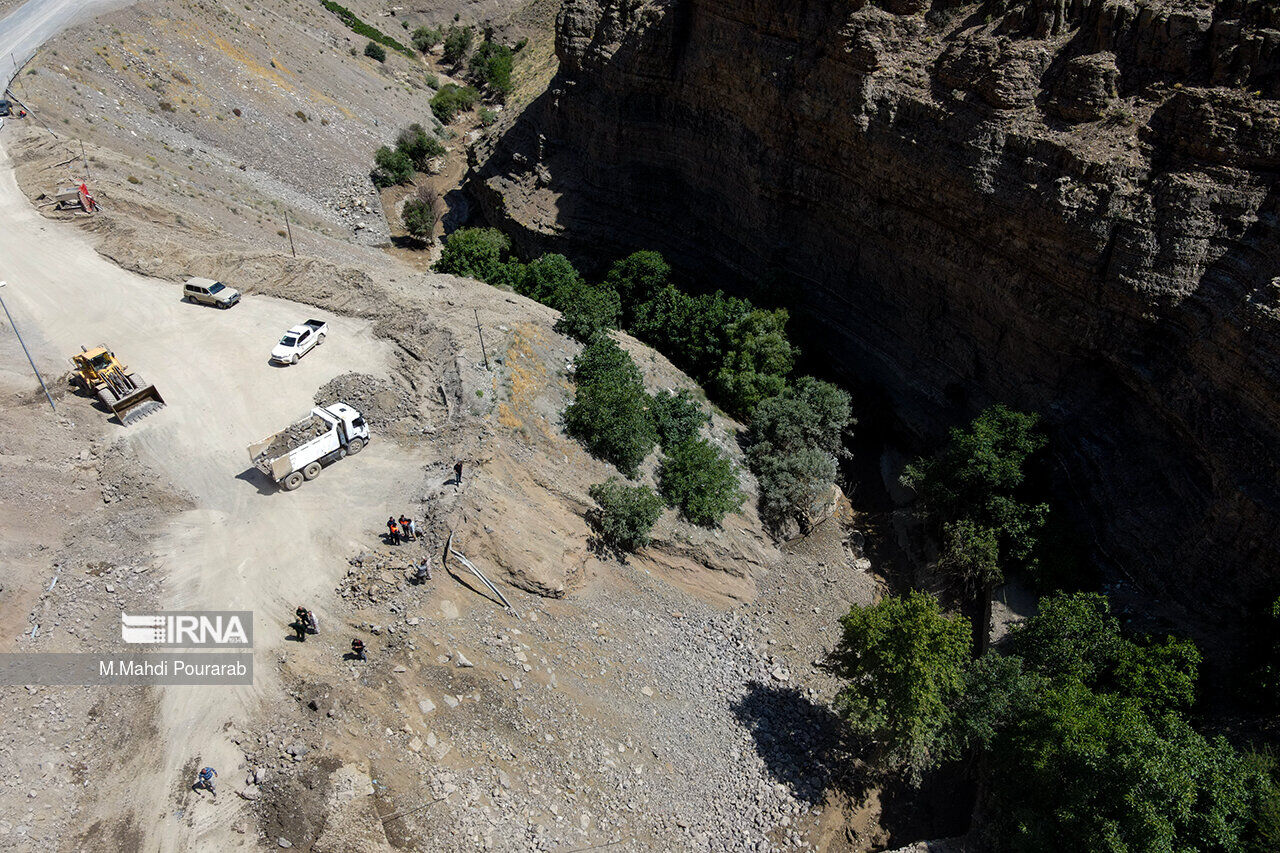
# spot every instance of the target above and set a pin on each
(289, 229)
(480, 332)
(27, 351)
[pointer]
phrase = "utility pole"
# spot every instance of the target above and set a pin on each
(289, 230)
(85, 160)
(481, 334)
(27, 351)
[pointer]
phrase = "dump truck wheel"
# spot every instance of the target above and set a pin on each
(355, 446)
(311, 471)
(292, 481)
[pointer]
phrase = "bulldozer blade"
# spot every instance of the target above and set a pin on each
(135, 405)
(139, 411)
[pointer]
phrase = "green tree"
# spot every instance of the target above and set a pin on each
(419, 217)
(456, 44)
(758, 359)
(903, 663)
(373, 50)
(610, 412)
(795, 441)
(512, 275)
(552, 280)
(678, 416)
(637, 278)
(979, 476)
(391, 167)
(627, 513)
(418, 145)
(490, 66)
(452, 99)
(587, 311)
(701, 481)
(474, 252)
(425, 38)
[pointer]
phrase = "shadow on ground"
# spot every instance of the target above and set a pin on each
(808, 748)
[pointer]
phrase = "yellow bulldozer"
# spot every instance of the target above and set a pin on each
(98, 371)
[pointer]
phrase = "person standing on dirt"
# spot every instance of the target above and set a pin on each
(406, 532)
(414, 533)
(394, 530)
(205, 780)
(357, 649)
(457, 473)
(302, 623)
(422, 572)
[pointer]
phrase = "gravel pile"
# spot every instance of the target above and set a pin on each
(381, 401)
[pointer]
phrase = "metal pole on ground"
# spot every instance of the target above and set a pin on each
(289, 228)
(30, 360)
(480, 332)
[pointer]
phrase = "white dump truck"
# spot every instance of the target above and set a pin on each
(299, 451)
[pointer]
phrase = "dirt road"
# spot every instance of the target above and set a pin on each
(30, 25)
(246, 545)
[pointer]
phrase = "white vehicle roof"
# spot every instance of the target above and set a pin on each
(296, 330)
(201, 282)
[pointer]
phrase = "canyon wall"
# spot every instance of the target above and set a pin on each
(1066, 205)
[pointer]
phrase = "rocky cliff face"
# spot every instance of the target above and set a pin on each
(1066, 205)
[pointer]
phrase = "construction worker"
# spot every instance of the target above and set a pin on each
(205, 780)
(414, 532)
(422, 572)
(357, 649)
(406, 533)
(394, 530)
(302, 623)
(457, 473)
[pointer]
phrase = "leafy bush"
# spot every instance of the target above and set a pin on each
(699, 480)
(475, 252)
(452, 99)
(609, 414)
(421, 213)
(419, 145)
(973, 492)
(552, 280)
(678, 416)
(637, 278)
(757, 360)
(391, 167)
(359, 27)
(796, 438)
(425, 38)
(741, 353)
(587, 310)
(456, 44)
(904, 665)
(1088, 747)
(511, 275)
(373, 50)
(627, 513)
(491, 66)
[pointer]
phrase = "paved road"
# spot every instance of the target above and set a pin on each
(245, 546)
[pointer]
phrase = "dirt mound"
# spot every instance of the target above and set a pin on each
(381, 401)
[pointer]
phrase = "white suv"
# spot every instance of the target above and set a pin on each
(210, 292)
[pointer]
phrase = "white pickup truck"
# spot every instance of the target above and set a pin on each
(298, 452)
(299, 341)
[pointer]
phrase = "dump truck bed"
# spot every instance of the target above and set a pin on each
(295, 446)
